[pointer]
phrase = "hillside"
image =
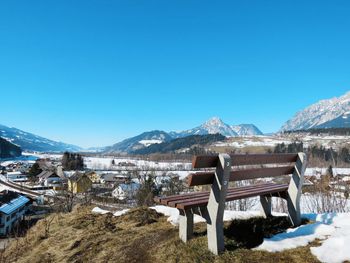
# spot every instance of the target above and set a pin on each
(31, 142)
(181, 143)
(139, 142)
(143, 235)
(8, 150)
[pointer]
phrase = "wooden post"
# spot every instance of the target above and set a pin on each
(216, 205)
(294, 190)
(185, 225)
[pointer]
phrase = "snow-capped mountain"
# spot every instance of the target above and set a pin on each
(31, 142)
(138, 142)
(216, 125)
(246, 130)
(330, 113)
(212, 126)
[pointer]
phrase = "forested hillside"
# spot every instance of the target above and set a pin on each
(8, 150)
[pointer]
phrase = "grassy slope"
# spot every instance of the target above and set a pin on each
(142, 236)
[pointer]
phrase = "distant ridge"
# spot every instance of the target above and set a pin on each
(8, 149)
(212, 126)
(329, 113)
(31, 142)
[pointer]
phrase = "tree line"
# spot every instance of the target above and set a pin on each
(317, 154)
(72, 161)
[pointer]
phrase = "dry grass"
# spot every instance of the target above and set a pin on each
(141, 236)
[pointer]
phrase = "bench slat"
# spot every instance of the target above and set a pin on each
(205, 161)
(251, 159)
(203, 178)
(166, 201)
(201, 195)
(260, 173)
(235, 196)
(237, 191)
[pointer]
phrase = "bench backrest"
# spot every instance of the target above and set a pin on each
(242, 167)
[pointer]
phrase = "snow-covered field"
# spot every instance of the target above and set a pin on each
(99, 163)
(245, 141)
(317, 171)
(270, 141)
(333, 229)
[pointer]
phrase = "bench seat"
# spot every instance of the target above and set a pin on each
(200, 199)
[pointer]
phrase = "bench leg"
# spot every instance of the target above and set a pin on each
(216, 205)
(266, 205)
(185, 225)
(294, 190)
(215, 232)
(294, 210)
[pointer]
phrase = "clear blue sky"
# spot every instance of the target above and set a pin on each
(95, 72)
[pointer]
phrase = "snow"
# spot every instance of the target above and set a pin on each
(98, 210)
(122, 212)
(338, 241)
(318, 171)
(332, 228)
(150, 142)
(296, 237)
(257, 140)
(319, 113)
(106, 162)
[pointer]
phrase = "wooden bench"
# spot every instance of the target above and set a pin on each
(211, 204)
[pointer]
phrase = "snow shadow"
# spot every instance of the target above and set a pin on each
(250, 233)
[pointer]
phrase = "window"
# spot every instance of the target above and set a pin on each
(7, 219)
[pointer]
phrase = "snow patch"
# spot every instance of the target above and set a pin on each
(333, 228)
(122, 212)
(98, 210)
(150, 142)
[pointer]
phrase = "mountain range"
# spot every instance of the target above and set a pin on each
(213, 126)
(31, 142)
(329, 113)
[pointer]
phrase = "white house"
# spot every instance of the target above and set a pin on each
(126, 191)
(50, 178)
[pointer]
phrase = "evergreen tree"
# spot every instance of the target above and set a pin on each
(72, 161)
(34, 170)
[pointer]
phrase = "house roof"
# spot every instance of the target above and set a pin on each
(111, 177)
(77, 177)
(11, 205)
(47, 174)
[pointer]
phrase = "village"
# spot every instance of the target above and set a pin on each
(31, 189)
